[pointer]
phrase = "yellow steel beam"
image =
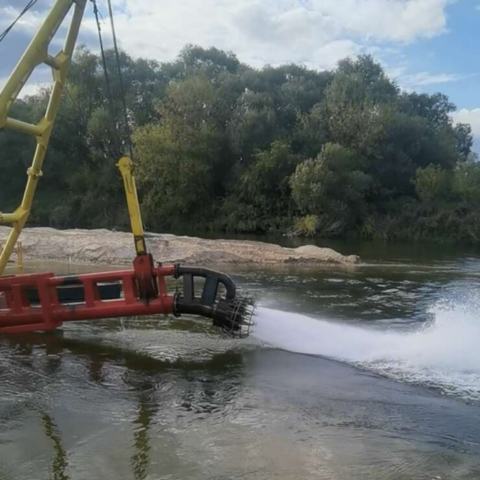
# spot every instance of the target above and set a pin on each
(28, 128)
(36, 54)
(126, 168)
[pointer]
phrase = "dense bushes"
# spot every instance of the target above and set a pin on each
(220, 145)
(331, 187)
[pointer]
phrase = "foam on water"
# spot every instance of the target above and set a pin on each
(444, 354)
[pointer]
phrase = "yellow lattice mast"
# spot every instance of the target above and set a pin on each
(36, 54)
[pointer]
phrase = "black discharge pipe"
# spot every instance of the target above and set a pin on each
(232, 312)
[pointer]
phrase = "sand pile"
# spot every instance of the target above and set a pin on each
(116, 248)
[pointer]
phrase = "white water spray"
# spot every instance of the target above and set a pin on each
(445, 354)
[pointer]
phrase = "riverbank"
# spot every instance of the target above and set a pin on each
(104, 247)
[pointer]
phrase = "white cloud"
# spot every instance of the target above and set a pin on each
(423, 79)
(32, 89)
(30, 22)
(314, 32)
(41, 77)
(317, 33)
(410, 82)
(330, 53)
(473, 118)
(29, 89)
(469, 116)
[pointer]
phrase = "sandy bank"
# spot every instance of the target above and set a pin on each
(116, 248)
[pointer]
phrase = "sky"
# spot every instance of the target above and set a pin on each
(425, 45)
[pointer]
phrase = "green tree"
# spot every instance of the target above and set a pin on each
(253, 125)
(209, 62)
(354, 98)
(176, 184)
(464, 140)
(466, 183)
(435, 108)
(261, 199)
(311, 130)
(431, 183)
(176, 158)
(331, 187)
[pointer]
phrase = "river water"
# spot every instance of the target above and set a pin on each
(367, 372)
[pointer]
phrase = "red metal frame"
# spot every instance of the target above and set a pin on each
(144, 293)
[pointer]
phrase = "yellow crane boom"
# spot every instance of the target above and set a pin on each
(36, 54)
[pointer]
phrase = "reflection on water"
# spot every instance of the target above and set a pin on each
(89, 378)
(174, 399)
(59, 462)
(141, 440)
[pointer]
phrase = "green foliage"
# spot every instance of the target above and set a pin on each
(305, 226)
(210, 62)
(221, 145)
(331, 185)
(250, 206)
(353, 100)
(311, 130)
(466, 183)
(431, 183)
(413, 221)
(464, 140)
(253, 124)
(435, 108)
(175, 180)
